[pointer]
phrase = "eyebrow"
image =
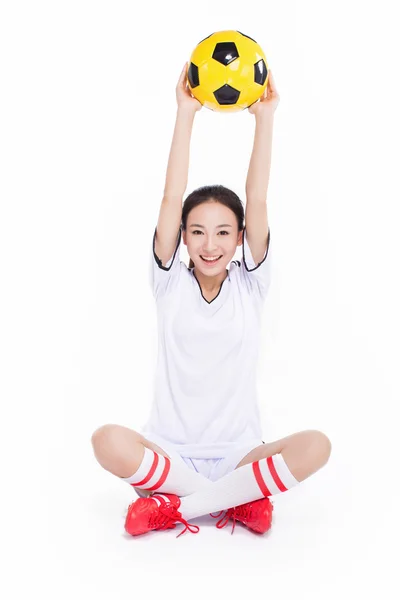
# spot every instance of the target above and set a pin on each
(202, 226)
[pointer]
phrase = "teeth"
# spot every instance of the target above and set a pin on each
(210, 259)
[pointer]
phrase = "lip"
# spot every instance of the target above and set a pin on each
(211, 264)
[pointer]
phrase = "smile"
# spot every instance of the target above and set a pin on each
(211, 260)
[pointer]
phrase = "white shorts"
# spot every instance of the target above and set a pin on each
(212, 468)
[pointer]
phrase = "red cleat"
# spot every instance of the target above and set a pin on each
(159, 511)
(256, 515)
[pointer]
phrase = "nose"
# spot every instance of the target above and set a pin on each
(209, 246)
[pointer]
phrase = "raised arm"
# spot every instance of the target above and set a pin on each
(256, 217)
(178, 162)
(260, 161)
(170, 215)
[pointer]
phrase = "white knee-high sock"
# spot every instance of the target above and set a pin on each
(158, 473)
(253, 481)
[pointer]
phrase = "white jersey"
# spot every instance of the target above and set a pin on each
(205, 400)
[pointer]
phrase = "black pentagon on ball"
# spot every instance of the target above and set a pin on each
(193, 75)
(250, 38)
(225, 52)
(226, 95)
(260, 72)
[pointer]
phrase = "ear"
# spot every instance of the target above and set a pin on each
(184, 237)
(240, 238)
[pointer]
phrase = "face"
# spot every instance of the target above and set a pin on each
(204, 236)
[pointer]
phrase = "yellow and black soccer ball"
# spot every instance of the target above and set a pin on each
(227, 71)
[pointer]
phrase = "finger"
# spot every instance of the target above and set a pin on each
(185, 72)
(182, 77)
(271, 80)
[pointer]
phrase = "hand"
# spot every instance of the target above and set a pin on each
(183, 96)
(268, 101)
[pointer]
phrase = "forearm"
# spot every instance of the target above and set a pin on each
(260, 161)
(178, 162)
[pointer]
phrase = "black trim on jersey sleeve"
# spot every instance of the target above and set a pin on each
(257, 276)
(162, 278)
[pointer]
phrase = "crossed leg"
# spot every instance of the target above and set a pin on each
(304, 452)
(120, 450)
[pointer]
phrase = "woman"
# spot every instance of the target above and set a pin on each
(201, 448)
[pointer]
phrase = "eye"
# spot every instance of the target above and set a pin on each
(197, 230)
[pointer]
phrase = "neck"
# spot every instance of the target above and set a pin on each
(210, 284)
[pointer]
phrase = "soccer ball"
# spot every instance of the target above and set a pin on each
(227, 71)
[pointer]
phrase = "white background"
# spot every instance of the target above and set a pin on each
(87, 115)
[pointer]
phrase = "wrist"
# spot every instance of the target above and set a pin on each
(186, 112)
(267, 116)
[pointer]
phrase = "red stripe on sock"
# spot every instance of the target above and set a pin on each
(150, 473)
(275, 475)
(163, 475)
(260, 480)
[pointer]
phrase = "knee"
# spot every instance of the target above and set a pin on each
(321, 446)
(116, 450)
(104, 437)
(114, 440)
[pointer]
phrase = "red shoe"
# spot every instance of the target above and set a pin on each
(155, 512)
(256, 515)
